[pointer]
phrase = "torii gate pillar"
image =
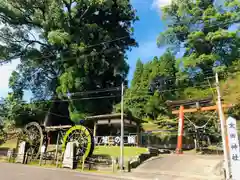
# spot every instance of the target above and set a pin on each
(180, 130)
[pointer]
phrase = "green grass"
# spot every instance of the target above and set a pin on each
(9, 144)
(238, 124)
(3, 159)
(110, 151)
(114, 151)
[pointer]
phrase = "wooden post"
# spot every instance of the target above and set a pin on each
(195, 144)
(180, 130)
(138, 136)
(148, 141)
(56, 152)
(95, 129)
(40, 161)
(129, 166)
(83, 162)
(113, 164)
(48, 138)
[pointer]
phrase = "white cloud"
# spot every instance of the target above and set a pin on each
(160, 3)
(5, 73)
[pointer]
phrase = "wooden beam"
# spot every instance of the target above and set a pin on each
(207, 108)
(190, 102)
(55, 128)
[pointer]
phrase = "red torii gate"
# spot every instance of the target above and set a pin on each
(195, 105)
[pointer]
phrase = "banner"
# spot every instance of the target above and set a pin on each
(233, 146)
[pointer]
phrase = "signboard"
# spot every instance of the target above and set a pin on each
(106, 140)
(21, 153)
(43, 149)
(69, 155)
(233, 146)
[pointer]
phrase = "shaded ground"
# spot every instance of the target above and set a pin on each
(3, 151)
(24, 172)
(171, 167)
(182, 166)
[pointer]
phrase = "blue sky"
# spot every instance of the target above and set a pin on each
(146, 32)
(5, 72)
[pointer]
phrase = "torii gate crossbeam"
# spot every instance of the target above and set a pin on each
(183, 110)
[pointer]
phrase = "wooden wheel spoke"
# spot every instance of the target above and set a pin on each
(32, 134)
(81, 135)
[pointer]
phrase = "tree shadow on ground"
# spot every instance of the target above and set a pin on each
(3, 151)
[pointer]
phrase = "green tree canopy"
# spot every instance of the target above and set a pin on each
(202, 28)
(67, 46)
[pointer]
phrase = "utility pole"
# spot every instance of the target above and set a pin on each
(122, 131)
(221, 116)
